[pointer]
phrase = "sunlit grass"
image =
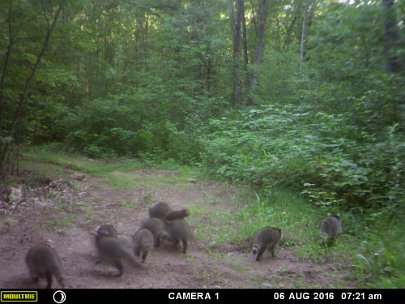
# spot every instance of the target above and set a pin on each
(373, 252)
(118, 172)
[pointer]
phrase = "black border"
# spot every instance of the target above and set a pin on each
(146, 296)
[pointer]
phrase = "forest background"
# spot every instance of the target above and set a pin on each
(304, 95)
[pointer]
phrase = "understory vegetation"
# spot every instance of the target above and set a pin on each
(301, 102)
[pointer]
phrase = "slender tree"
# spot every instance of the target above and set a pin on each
(391, 37)
(6, 56)
(245, 48)
(294, 17)
(259, 47)
(30, 78)
(12, 35)
(303, 31)
(236, 19)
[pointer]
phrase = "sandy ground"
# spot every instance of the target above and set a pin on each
(68, 219)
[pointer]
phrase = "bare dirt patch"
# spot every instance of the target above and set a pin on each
(67, 219)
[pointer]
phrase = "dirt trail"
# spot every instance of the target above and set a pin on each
(95, 202)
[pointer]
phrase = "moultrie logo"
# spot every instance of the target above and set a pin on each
(19, 296)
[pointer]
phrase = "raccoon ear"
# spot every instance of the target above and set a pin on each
(329, 214)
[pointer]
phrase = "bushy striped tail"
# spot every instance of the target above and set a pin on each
(131, 259)
(255, 249)
(177, 214)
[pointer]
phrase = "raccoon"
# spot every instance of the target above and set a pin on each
(178, 214)
(107, 230)
(330, 227)
(177, 230)
(112, 251)
(43, 262)
(156, 226)
(266, 238)
(143, 243)
(160, 210)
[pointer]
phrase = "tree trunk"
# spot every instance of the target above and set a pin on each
(391, 37)
(303, 31)
(245, 49)
(6, 58)
(24, 94)
(259, 47)
(290, 29)
(237, 88)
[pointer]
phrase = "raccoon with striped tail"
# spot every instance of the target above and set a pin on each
(330, 227)
(266, 238)
(113, 251)
(143, 243)
(164, 212)
(43, 263)
(107, 230)
(156, 227)
(176, 231)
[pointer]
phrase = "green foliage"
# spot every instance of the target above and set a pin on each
(109, 128)
(283, 79)
(153, 80)
(379, 261)
(128, 204)
(309, 150)
(283, 209)
(347, 43)
(65, 221)
(355, 34)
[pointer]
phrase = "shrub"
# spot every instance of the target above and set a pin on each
(320, 154)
